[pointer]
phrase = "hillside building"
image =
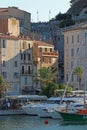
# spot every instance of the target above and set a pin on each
(75, 54)
(23, 17)
(21, 58)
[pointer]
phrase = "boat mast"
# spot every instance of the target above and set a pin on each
(69, 78)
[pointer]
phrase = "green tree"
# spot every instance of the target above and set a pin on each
(79, 72)
(53, 89)
(61, 89)
(63, 16)
(45, 75)
(3, 86)
(49, 89)
(65, 20)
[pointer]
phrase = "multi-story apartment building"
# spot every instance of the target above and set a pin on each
(23, 17)
(21, 58)
(75, 54)
(50, 33)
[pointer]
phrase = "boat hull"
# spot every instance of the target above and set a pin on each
(12, 112)
(74, 117)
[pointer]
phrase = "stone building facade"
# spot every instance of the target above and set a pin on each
(20, 59)
(75, 54)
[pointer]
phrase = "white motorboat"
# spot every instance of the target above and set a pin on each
(34, 108)
(49, 108)
(42, 111)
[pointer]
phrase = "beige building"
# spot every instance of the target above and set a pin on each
(20, 59)
(23, 17)
(75, 54)
(10, 26)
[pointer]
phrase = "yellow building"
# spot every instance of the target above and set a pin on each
(10, 26)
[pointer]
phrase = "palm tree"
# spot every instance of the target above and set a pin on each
(45, 75)
(79, 72)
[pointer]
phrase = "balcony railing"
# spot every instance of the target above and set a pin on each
(51, 54)
(26, 72)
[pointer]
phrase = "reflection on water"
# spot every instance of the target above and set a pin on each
(24, 122)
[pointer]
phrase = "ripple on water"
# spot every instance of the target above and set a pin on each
(35, 123)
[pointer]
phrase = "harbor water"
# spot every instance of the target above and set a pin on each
(25, 122)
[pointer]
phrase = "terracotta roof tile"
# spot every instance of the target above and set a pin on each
(40, 43)
(3, 9)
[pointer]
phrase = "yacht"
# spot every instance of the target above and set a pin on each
(73, 105)
(35, 108)
(49, 107)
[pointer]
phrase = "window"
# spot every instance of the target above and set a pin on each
(21, 23)
(72, 52)
(29, 57)
(67, 40)
(15, 64)
(50, 49)
(29, 46)
(49, 60)
(16, 75)
(77, 38)
(24, 45)
(58, 38)
(78, 51)
(4, 74)
(45, 49)
(24, 56)
(43, 59)
(21, 56)
(4, 44)
(72, 39)
(29, 70)
(4, 63)
(26, 80)
(67, 53)
(67, 65)
(22, 69)
(71, 64)
(40, 49)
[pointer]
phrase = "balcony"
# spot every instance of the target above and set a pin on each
(26, 72)
(50, 54)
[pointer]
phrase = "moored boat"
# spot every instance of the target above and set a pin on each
(12, 105)
(79, 116)
(74, 105)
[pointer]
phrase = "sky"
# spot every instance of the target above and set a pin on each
(41, 10)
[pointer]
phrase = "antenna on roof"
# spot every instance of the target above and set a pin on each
(37, 16)
(49, 14)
